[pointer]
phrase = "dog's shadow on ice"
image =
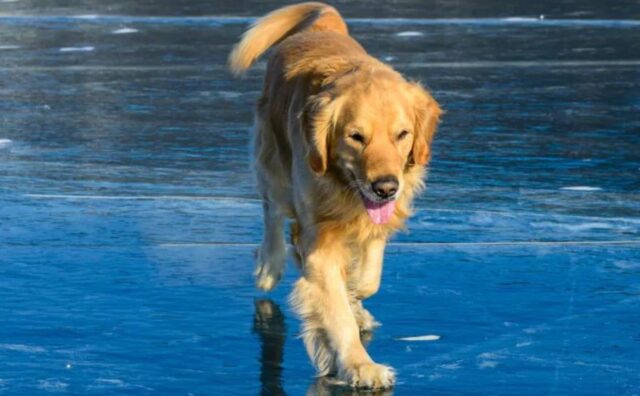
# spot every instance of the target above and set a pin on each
(270, 327)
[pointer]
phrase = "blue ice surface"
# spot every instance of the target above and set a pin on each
(128, 216)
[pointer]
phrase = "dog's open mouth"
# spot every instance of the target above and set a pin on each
(379, 212)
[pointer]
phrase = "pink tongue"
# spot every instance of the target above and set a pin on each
(380, 213)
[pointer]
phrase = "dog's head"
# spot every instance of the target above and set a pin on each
(369, 129)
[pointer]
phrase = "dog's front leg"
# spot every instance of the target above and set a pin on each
(364, 281)
(369, 275)
(330, 331)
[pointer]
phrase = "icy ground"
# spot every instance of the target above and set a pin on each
(128, 217)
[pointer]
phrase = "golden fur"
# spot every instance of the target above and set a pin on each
(331, 119)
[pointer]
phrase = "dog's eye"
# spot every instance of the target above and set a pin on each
(357, 136)
(403, 134)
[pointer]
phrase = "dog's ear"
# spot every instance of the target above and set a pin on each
(317, 121)
(427, 116)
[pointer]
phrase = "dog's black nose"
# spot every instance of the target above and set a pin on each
(385, 186)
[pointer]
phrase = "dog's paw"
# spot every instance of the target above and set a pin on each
(268, 270)
(371, 376)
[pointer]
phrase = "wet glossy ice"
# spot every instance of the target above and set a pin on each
(128, 217)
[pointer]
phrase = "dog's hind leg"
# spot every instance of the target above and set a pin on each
(272, 254)
(366, 321)
(273, 186)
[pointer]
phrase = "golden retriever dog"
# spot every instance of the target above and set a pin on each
(340, 147)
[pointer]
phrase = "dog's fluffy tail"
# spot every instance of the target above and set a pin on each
(280, 24)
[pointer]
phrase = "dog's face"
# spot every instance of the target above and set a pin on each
(369, 131)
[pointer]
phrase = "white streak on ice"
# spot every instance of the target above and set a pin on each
(53, 385)
(489, 355)
(430, 337)
(520, 19)
(581, 188)
(487, 364)
(488, 360)
(125, 31)
(9, 47)
(22, 348)
(77, 49)
(588, 226)
(626, 265)
(410, 34)
(451, 366)
(111, 381)
(227, 201)
(4, 143)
